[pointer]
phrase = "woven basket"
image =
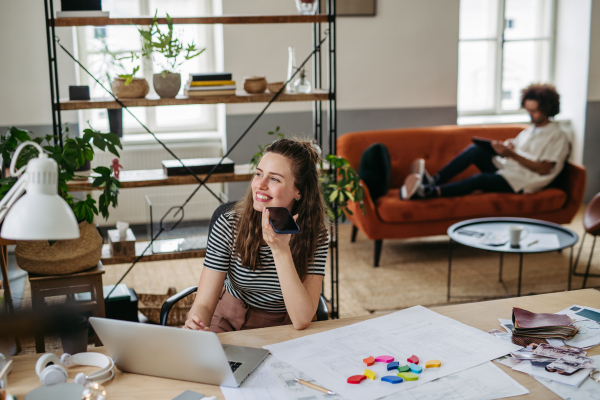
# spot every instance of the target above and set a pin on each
(150, 305)
(63, 257)
(137, 88)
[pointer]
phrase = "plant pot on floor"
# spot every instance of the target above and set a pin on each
(63, 257)
(167, 86)
(137, 88)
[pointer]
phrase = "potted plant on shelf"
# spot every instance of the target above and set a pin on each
(124, 84)
(168, 82)
(66, 256)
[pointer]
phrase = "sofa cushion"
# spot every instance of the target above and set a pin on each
(375, 169)
(392, 209)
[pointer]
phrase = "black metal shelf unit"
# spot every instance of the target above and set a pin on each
(322, 130)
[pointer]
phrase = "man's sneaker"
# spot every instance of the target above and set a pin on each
(418, 167)
(426, 191)
(412, 183)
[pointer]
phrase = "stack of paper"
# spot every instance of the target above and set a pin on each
(526, 323)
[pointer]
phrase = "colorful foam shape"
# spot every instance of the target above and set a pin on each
(413, 359)
(356, 379)
(433, 364)
(369, 374)
(369, 361)
(384, 359)
(393, 365)
(408, 376)
(404, 368)
(415, 369)
(392, 379)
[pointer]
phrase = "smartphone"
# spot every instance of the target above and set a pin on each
(282, 221)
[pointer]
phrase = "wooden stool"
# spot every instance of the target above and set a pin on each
(82, 282)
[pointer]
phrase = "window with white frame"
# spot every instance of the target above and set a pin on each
(123, 40)
(504, 45)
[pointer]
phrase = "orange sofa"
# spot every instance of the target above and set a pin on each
(392, 218)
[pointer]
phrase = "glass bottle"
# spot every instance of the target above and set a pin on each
(302, 85)
(291, 68)
(307, 7)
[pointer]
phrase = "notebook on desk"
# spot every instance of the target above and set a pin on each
(175, 353)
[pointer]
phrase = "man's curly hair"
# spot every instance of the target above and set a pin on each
(546, 96)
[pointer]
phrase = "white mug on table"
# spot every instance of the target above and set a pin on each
(516, 233)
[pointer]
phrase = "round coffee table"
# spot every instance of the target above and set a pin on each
(543, 237)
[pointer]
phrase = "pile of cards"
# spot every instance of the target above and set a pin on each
(566, 360)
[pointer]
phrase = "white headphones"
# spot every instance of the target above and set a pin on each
(50, 371)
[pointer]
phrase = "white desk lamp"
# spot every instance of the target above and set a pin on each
(41, 214)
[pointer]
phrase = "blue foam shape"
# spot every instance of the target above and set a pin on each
(392, 379)
(415, 369)
(392, 365)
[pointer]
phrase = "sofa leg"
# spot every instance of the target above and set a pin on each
(354, 232)
(378, 244)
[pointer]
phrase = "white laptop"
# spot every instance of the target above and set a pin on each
(176, 353)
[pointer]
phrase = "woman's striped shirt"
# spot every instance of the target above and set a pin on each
(258, 288)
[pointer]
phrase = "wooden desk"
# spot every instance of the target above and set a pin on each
(482, 315)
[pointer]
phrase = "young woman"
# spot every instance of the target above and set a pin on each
(254, 277)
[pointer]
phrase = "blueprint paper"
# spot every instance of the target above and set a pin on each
(589, 330)
(333, 356)
(589, 390)
(483, 382)
(285, 375)
(539, 371)
(260, 385)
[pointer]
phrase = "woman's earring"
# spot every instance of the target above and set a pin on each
(298, 198)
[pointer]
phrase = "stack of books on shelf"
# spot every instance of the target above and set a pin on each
(210, 84)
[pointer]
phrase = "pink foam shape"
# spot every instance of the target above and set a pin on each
(384, 359)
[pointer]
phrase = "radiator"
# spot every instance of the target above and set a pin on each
(132, 203)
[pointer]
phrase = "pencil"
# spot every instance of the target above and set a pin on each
(532, 243)
(313, 386)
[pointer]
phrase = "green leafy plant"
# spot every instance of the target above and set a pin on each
(343, 189)
(75, 152)
(261, 149)
(113, 62)
(171, 47)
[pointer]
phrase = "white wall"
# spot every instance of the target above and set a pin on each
(572, 53)
(24, 74)
(405, 57)
(594, 70)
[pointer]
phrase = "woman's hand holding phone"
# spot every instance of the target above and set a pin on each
(194, 323)
(275, 240)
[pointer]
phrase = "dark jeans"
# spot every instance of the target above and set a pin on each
(488, 180)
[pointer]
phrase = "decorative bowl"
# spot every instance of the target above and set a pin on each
(275, 86)
(255, 84)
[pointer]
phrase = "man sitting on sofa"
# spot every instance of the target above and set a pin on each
(525, 164)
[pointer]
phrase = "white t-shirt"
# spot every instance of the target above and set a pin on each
(547, 143)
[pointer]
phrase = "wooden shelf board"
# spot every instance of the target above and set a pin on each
(239, 97)
(224, 19)
(107, 259)
(157, 177)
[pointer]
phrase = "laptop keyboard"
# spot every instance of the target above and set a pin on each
(234, 365)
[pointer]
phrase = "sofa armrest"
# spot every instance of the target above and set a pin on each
(572, 180)
(368, 221)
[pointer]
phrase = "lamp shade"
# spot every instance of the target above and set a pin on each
(40, 217)
(41, 214)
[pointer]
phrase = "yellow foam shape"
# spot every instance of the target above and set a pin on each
(408, 376)
(433, 364)
(369, 374)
